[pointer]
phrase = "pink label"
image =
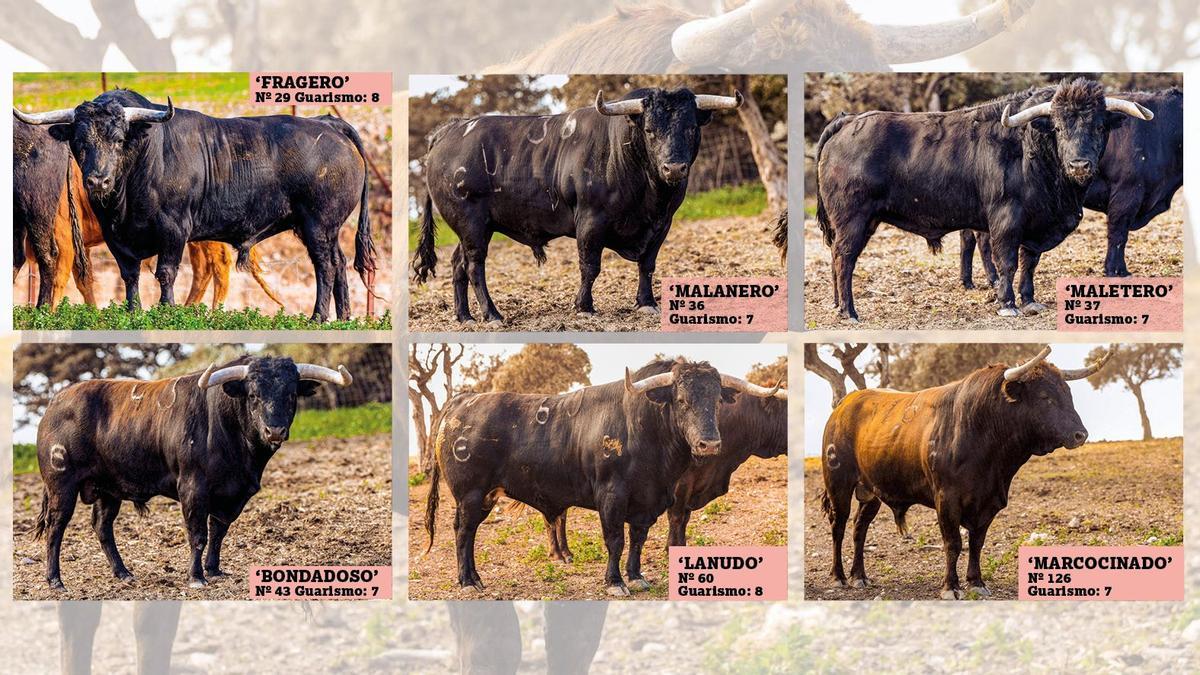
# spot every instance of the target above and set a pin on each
(1115, 304)
(728, 573)
(323, 88)
(1100, 573)
(724, 304)
(321, 583)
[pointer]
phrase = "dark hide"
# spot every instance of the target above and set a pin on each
(39, 180)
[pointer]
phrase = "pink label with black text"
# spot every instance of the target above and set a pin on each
(1115, 304)
(728, 573)
(724, 304)
(1100, 573)
(332, 582)
(320, 88)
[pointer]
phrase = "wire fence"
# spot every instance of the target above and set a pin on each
(725, 160)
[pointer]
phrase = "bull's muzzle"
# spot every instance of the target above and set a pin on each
(674, 172)
(276, 434)
(707, 448)
(1077, 439)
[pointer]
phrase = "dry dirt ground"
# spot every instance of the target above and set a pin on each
(1103, 494)
(900, 284)
(510, 549)
(323, 502)
(533, 298)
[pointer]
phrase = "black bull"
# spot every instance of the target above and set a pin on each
(615, 448)
(953, 448)
(202, 439)
(1016, 167)
(610, 176)
(1140, 172)
(158, 177)
(750, 427)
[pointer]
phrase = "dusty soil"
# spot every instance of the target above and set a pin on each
(533, 298)
(323, 502)
(900, 284)
(510, 549)
(1121, 493)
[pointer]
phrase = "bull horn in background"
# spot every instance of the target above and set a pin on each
(753, 389)
(1016, 372)
(64, 116)
(230, 374)
(1088, 371)
(712, 39)
(630, 107)
(710, 102)
(652, 382)
(1025, 116)
(910, 44)
(1128, 107)
(150, 115)
(341, 377)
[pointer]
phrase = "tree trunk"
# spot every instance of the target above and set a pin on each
(1147, 435)
(836, 380)
(772, 167)
(424, 456)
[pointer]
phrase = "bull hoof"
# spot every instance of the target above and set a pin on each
(57, 585)
(618, 591)
(585, 315)
(838, 582)
(859, 583)
(649, 309)
(1033, 308)
(124, 575)
(980, 591)
(638, 585)
(197, 583)
(1007, 311)
(955, 594)
(213, 574)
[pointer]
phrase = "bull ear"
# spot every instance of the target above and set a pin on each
(728, 395)
(307, 387)
(661, 395)
(63, 132)
(235, 388)
(1114, 120)
(704, 116)
(1014, 390)
(1044, 125)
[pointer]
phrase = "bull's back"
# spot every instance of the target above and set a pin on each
(1143, 156)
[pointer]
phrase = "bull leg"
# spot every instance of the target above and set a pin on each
(469, 515)
(77, 623)
(977, 535)
(966, 258)
(557, 528)
(154, 625)
(59, 507)
(1029, 263)
(612, 525)
(678, 516)
(848, 244)
(838, 505)
(62, 270)
(475, 255)
(862, 521)
(216, 536)
(201, 273)
(458, 269)
(590, 251)
(646, 265)
(166, 270)
(1005, 251)
(1122, 217)
(320, 254)
(86, 286)
(633, 564)
(104, 514)
(131, 271)
(195, 517)
(985, 257)
(341, 289)
(948, 521)
(45, 283)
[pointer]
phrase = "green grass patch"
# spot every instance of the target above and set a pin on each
(70, 316)
(741, 200)
(586, 548)
(363, 420)
(50, 91)
(24, 458)
(417, 478)
(716, 507)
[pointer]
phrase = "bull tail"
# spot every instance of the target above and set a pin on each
(364, 245)
(141, 508)
(425, 264)
(827, 505)
(826, 133)
(256, 271)
(431, 505)
(43, 519)
(83, 266)
(539, 254)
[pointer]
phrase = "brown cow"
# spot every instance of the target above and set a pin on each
(953, 448)
(211, 260)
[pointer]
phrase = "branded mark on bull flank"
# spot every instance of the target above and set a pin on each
(611, 445)
(831, 458)
(545, 131)
(568, 127)
(470, 126)
(58, 457)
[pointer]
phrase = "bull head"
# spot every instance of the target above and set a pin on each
(1048, 410)
(669, 125)
(98, 132)
(1079, 117)
(268, 388)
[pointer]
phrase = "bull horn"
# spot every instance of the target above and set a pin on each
(64, 116)
(652, 382)
(1128, 107)
(1025, 116)
(630, 107)
(341, 377)
(711, 39)
(753, 389)
(1016, 372)
(1088, 371)
(910, 44)
(211, 379)
(150, 115)
(710, 102)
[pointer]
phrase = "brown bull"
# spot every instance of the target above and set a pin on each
(953, 448)
(211, 260)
